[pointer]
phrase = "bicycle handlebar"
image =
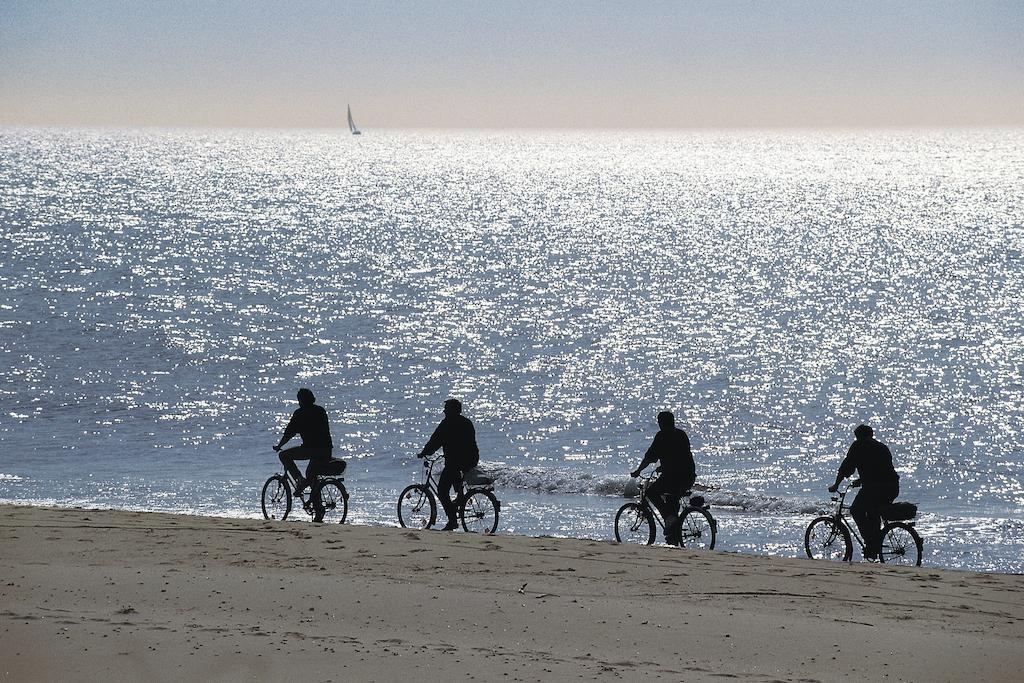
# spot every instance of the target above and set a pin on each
(847, 485)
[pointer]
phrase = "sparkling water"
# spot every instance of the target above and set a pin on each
(163, 293)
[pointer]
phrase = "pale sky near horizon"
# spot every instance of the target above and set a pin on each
(512, 64)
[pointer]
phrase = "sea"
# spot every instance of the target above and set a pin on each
(165, 292)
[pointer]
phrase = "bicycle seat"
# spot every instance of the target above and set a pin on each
(332, 468)
(895, 512)
(474, 478)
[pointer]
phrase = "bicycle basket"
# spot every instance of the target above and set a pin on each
(332, 468)
(899, 511)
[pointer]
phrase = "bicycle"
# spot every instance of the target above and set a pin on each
(635, 522)
(327, 488)
(829, 537)
(477, 505)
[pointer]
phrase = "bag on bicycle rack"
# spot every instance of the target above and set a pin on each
(899, 511)
(697, 501)
(332, 468)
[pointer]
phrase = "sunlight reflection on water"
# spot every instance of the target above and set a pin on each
(165, 292)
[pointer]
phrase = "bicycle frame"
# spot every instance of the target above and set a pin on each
(900, 542)
(840, 499)
(431, 482)
(642, 485)
(327, 494)
(696, 527)
(310, 487)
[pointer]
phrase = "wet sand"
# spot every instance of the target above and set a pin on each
(91, 595)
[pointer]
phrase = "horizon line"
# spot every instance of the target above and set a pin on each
(563, 129)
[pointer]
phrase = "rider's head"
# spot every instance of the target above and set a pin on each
(453, 406)
(863, 433)
(666, 420)
(305, 397)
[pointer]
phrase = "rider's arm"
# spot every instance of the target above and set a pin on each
(650, 457)
(289, 431)
(846, 469)
(435, 442)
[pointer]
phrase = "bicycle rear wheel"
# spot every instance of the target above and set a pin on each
(276, 499)
(698, 529)
(634, 524)
(479, 512)
(901, 545)
(826, 539)
(334, 499)
(417, 508)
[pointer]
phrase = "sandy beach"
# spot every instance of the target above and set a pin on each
(111, 595)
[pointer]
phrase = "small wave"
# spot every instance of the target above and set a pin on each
(558, 480)
(755, 502)
(10, 477)
(552, 480)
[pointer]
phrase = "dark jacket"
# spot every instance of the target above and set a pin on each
(457, 437)
(672, 448)
(872, 460)
(311, 423)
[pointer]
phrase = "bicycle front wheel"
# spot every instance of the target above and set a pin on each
(479, 512)
(334, 499)
(827, 539)
(698, 529)
(276, 498)
(901, 545)
(634, 524)
(417, 508)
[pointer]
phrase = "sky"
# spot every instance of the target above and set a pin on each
(512, 63)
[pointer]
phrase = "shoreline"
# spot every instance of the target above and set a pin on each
(90, 593)
(758, 533)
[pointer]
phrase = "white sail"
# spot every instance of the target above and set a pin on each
(352, 123)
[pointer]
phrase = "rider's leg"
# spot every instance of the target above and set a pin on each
(673, 496)
(288, 457)
(664, 495)
(866, 521)
(316, 463)
(313, 470)
(318, 505)
(451, 477)
(865, 512)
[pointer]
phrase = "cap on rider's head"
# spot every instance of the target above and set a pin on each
(453, 406)
(666, 419)
(863, 432)
(305, 397)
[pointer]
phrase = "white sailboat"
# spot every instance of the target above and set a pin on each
(352, 123)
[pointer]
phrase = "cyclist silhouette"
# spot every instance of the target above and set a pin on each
(671, 448)
(456, 436)
(879, 486)
(310, 422)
